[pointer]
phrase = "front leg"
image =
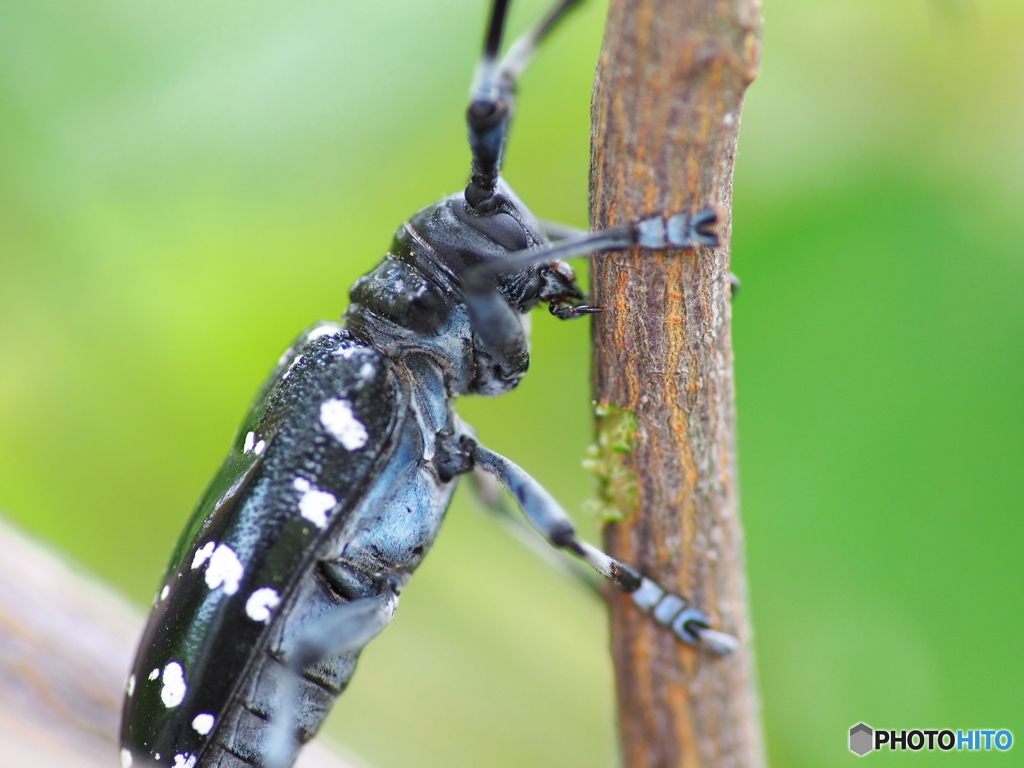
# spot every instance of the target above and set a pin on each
(545, 514)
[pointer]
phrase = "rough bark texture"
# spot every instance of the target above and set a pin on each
(670, 84)
(66, 643)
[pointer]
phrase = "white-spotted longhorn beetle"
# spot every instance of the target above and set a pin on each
(339, 478)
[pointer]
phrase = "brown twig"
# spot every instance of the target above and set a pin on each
(666, 110)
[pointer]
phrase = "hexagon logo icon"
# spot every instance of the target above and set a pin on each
(861, 739)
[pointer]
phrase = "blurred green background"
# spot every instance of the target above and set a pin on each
(184, 186)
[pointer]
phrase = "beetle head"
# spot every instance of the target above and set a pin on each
(454, 239)
(420, 288)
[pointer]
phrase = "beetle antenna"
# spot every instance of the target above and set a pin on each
(492, 96)
(522, 50)
(488, 113)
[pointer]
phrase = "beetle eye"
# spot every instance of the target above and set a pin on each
(505, 230)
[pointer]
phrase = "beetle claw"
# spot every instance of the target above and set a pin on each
(572, 311)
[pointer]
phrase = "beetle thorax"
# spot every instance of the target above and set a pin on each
(415, 299)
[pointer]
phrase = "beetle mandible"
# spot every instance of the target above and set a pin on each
(339, 478)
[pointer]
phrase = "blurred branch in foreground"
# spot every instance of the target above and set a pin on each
(667, 99)
(66, 642)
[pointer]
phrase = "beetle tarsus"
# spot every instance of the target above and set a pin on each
(569, 312)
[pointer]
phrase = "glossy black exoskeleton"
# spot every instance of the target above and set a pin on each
(339, 478)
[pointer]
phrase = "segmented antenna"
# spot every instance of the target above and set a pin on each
(488, 113)
(492, 97)
(495, 29)
(521, 51)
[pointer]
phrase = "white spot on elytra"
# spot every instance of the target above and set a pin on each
(203, 554)
(184, 760)
(295, 362)
(345, 352)
(260, 603)
(260, 447)
(154, 674)
(250, 438)
(173, 692)
(337, 417)
(202, 723)
(728, 119)
(322, 330)
(126, 759)
(225, 569)
(366, 370)
(314, 504)
(130, 688)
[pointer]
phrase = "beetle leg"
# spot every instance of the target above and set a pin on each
(570, 311)
(487, 488)
(545, 514)
(345, 628)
